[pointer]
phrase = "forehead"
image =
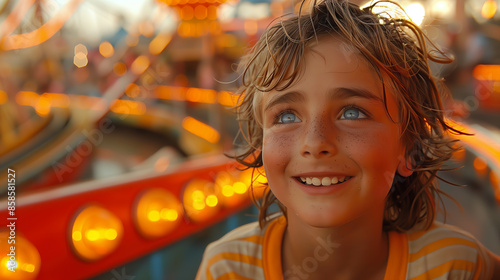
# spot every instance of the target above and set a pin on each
(341, 64)
(334, 50)
(338, 56)
(331, 57)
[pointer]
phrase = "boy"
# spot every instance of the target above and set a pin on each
(344, 115)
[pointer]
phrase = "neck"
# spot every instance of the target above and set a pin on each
(357, 250)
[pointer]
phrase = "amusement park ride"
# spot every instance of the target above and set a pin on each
(56, 226)
(79, 230)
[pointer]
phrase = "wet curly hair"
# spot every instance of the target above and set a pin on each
(396, 48)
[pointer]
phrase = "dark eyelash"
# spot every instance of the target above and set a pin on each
(352, 106)
(281, 113)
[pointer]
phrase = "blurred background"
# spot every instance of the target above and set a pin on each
(114, 122)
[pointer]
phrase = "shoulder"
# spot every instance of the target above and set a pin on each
(243, 239)
(237, 254)
(446, 252)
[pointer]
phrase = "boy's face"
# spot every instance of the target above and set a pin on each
(331, 126)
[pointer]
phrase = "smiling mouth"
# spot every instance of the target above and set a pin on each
(323, 181)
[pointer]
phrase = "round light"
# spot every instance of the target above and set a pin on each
(95, 233)
(200, 12)
(24, 260)
(200, 199)
(187, 13)
(255, 178)
(480, 166)
(211, 200)
(157, 212)
(120, 68)
(230, 187)
(169, 214)
(240, 188)
(416, 12)
(133, 90)
(80, 60)
(106, 49)
(489, 9)
(81, 48)
(443, 9)
(227, 190)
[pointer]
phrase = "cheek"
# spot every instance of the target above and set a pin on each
(276, 150)
(374, 150)
(376, 162)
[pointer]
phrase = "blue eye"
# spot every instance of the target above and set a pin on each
(352, 114)
(288, 118)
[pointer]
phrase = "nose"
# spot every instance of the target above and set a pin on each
(319, 139)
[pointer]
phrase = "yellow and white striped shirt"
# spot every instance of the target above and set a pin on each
(441, 252)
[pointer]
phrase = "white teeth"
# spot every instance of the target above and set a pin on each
(324, 181)
(316, 181)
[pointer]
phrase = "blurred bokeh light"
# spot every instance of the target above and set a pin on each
(118, 113)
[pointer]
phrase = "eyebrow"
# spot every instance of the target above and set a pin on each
(334, 94)
(289, 97)
(344, 93)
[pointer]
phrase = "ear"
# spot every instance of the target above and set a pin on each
(405, 167)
